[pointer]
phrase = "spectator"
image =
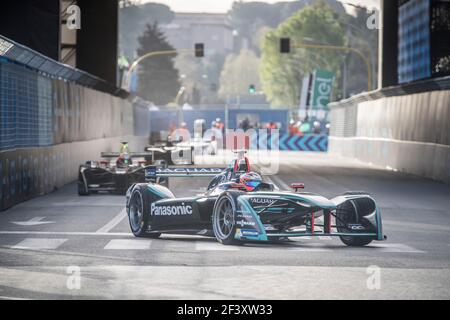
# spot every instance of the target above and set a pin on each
(327, 128)
(220, 124)
(293, 128)
(317, 128)
(271, 125)
(305, 127)
(172, 127)
(245, 124)
(182, 133)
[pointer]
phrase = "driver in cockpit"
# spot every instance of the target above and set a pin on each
(124, 158)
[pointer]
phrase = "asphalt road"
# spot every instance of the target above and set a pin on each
(47, 242)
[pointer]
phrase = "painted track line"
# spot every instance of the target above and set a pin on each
(39, 243)
(114, 222)
(128, 244)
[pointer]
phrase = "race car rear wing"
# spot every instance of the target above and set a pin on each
(132, 154)
(153, 172)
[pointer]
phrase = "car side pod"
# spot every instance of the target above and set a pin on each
(297, 185)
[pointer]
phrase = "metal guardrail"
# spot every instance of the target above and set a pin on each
(27, 57)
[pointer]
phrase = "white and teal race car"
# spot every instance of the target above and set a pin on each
(234, 210)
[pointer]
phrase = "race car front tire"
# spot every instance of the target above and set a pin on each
(138, 213)
(346, 215)
(356, 241)
(224, 218)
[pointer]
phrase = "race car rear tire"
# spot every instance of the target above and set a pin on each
(164, 182)
(138, 210)
(82, 190)
(225, 210)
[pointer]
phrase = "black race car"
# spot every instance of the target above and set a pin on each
(239, 206)
(171, 152)
(116, 173)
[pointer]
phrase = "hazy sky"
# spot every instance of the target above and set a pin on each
(224, 5)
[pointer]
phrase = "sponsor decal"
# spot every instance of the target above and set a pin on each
(264, 201)
(190, 170)
(322, 89)
(245, 216)
(150, 172)
(356, 227)
(250, 233)
(171, 210)
(244, 223)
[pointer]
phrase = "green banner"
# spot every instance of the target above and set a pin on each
(321, 89)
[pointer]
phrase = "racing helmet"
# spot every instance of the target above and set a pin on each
(123, 160)
(251, 180)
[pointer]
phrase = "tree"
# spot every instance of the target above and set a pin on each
(133, 20)
(158, 78)
(281, 74)
(248, 18)
(190, 68)
(366, 41)
(239, 71)
(201, 74)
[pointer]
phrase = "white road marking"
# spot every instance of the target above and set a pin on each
(128, 244)
(39, 243)
(214, 246)
(395, 247)
(32, 222)
(130, 281)
(12, 298)
(114, 222)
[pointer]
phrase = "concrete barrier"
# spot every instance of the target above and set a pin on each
(49, 126)
(409, 132)
(30, 172)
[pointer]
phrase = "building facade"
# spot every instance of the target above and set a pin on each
(213, 30)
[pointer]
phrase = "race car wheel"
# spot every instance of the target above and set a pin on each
(224, 219)
(82, 190)
(164, 182)
(139, 220)
(82, 187)
(356, 241)
(346, 215)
